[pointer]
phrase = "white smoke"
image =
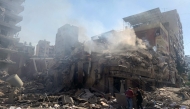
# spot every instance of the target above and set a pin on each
(117, 41)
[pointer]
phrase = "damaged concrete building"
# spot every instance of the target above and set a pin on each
(66, 38)
(187, 61)
(149, 61)
(28, 49)
(42, 48)
(8, 29)
(152, 24)
(143, 54)
(23, 54)
(131, 68)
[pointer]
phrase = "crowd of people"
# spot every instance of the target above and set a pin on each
(130, 94)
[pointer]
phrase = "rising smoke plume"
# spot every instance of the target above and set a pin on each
(116, 41)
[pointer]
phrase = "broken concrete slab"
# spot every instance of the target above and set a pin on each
(86, 95)
(66, 99)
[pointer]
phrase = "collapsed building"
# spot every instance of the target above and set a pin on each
(66, 38)
(143, 54)
(155, 65)
(171, 31)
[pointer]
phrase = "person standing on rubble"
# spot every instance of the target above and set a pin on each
(129, 94)
(139, 98)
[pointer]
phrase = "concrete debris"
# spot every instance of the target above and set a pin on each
(86, 95)
(67, 100)
(96, 81)
(168, 97)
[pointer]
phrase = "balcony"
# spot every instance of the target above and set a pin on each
(7, 50)
(11, 26)
(12, 6)
(161, 40)
(19, 1)
(5, 37)
(18, 18)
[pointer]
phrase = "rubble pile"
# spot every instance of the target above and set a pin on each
(157, 66)
(75, 99)
(70, 81)
(168, 97)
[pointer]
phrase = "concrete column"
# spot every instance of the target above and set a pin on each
(110, 79)
(122, 90)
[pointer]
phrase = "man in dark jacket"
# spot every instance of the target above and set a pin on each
(139, 98)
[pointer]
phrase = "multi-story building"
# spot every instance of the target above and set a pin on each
(172, 23)
(66, 38)
(42, 48)
(25, 52)
(51, 51)
(28, 49)
(9, 10)
(187, 61)
(161, 29)
(156, 35)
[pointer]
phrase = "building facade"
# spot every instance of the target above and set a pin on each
(28, 49)
(66, 38)
(156, 35)
(170, 28)
(187, 61)
(42, 48)
(51, 51)
(9, 10)
(172, 23)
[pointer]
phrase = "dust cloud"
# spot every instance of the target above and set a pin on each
(116, 41)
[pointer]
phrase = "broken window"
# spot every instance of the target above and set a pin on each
(157, 32)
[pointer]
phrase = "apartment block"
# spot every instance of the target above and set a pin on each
(187, 61)
(51, 51)
(162, 29)
(42, 48)
(66, 38)
(172, 23)
(27, 49)
(9, 10)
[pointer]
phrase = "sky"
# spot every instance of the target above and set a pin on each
(42, 18)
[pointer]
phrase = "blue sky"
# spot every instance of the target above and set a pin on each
(42, 18)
